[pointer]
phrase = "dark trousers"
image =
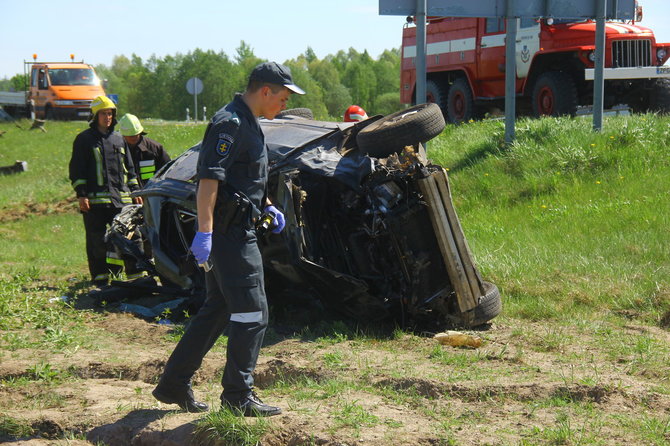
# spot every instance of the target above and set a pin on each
(236, 302)
(95, 224)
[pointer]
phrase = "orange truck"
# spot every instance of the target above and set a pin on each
(57, 90)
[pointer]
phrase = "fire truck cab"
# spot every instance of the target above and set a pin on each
(465, 64)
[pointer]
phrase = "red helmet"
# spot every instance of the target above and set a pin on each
(355, 113)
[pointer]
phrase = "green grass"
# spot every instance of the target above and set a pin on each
(226, 427)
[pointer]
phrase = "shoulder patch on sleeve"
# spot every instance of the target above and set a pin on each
(224, 144)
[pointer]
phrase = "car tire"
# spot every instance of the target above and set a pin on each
(490, 305)
(460, 102)
(391, 133)
(554, 94)
(299, 112)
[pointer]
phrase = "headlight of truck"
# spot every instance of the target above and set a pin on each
(661, 53)
(64, 102)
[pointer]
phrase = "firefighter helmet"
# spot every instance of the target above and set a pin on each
(101, 103)
(355, 113)
(130, 125)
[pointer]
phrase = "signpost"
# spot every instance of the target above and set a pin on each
(600, 10)
(194, 86)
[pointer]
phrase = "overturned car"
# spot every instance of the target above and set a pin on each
(371, 231)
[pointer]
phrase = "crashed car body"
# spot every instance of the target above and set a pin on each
(373, 237)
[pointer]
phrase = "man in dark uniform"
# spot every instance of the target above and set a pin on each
(232, 172)
(148, 155)
(103, 176)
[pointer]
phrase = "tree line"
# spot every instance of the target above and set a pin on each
(156, 87)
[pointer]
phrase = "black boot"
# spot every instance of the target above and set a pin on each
(185, 400)
(250, 406)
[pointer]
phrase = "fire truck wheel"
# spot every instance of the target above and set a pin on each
(391, 133)
(660, 96)
(437, 94)
(490, 305)
(554, 94)
(49, 114)
(299, 112)
(460, 103)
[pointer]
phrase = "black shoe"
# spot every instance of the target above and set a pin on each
(251, 406)
(185, 401)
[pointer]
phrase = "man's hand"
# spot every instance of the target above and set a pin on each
(279, 221)
(84, 204)
(137, 200)
(201, 246)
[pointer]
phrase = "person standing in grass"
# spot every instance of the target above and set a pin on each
(103, 176)
(232, 190)
(148, 155)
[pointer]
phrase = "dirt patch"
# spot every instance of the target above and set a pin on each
(32, 209)
(527, 382)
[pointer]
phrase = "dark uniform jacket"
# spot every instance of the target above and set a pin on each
(148, 156)
(102, 169)
(240, 167)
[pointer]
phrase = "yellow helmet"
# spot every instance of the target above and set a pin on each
(130, 125)
(101, 103)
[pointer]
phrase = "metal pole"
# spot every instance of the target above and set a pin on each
(420, 63)
(510, 73)
(195, 109)
(598, 75)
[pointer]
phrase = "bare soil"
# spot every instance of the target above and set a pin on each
(416, 391)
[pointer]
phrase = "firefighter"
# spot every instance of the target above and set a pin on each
(103, 176)
(232, 188)
(148, 155)
(355, 113)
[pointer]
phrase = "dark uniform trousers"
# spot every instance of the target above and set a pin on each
(235, 302)
(95, 224)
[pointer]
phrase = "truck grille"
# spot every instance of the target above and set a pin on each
(631, 53)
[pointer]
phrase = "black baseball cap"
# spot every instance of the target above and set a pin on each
(274, 73)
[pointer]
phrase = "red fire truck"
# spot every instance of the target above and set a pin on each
(465, 64)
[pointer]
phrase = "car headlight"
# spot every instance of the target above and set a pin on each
(592, 56)
(661, 53)
(64, 102)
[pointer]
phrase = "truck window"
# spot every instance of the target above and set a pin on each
(495, 25)
(528, 22)
(33, 78)
(73, 76)
(42, 80)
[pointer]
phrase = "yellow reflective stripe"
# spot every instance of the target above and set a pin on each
(126, 200)
(99, 200)
(78, 183)
(98, 164)
(148, 169)
(112, 261)
(146, 176)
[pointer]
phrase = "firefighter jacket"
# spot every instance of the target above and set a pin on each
(102, 169)
(148, 156)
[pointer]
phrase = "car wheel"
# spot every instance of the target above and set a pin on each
(460, 103)
(391, 133)
(554, 94)
(490, 305)
(299, 112)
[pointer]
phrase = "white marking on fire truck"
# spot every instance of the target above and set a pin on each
(448, 46)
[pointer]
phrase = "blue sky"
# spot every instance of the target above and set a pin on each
(97, 31)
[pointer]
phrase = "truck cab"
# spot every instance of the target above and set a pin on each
(62, 90)
(465, 64)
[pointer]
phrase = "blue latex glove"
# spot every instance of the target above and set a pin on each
(279, 221)
(201, 246)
